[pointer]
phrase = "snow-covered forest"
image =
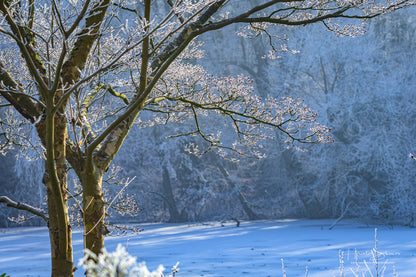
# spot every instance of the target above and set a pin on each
(363, 88)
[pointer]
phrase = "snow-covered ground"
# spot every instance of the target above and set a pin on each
(215, 249)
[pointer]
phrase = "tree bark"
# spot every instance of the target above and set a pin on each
(60, 232)
(61, 258)
(93, 208)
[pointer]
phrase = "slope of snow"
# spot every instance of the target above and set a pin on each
(215, 249)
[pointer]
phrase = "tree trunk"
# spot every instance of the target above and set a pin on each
(61, 259)
(60, 232)
(175, 216)
(250, 213)
(94, 209)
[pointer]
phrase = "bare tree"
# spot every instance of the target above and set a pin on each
(81, 72)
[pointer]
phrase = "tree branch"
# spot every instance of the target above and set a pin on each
(179, 16)
(25, 40)
(111, 146)
(159, 66)
(86, 38)
(24, 207)
(188, 30)
(78, 20)
(244, 18)
(13, 93)
(73, 156)
(338, 12)
(280, 21)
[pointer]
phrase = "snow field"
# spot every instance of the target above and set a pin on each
(253, 249)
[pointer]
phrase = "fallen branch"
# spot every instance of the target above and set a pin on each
(24, 207)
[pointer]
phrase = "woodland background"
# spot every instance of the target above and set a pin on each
(364, 88)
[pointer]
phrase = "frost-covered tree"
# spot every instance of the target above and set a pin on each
(81, 72)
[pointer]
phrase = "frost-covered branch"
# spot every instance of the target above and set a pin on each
(15, 95)
(24, 207)
(188, 92)
(25, 40)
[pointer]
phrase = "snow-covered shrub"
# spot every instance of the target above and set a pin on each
(118, 264)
